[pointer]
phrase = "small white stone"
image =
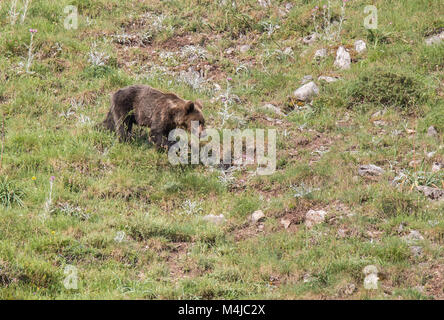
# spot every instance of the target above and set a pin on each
(370, 269)
(229, 51)
(257, 216)
(416, 250)
(288, 51)
(371, 282)
(307, 92)
(414, 236)
(360, 46)
(379, 113)
(313, 217)
(307, 79)
(370, 170)
(431, 131)
(273, 108)
(310, 39)
(437, 167)
(414, 163)
(244, 48)
(435, 39)
(343, 59)
(214, 219)
(431, 154)
(321, 53)
(285, 222)
(328, 79)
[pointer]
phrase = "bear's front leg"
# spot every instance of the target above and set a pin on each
(159, 139)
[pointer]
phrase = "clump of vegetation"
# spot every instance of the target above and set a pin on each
(10, 193)
(389, 89)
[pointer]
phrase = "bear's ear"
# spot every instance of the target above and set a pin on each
(199, 104)
(189, 107)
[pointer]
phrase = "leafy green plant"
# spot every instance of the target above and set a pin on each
(389, 89)
(10, 193)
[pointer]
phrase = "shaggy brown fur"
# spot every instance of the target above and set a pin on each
(146, 106)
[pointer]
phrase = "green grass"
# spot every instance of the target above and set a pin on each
(103, 187)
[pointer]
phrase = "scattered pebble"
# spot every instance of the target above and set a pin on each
(328, 79)
(273, 108)
(432, 193)
(413, 236)
(360, 46)
(431, 131)
(307, 79)
(380, 123)
(437, 166)
(348, 290)
(342, 233)
(414, 163)
(321, 53)
(314, 217)
(257, 216)
(435, 39)
(310, 39)
(379, 113)
(416, 250)
(288, 51)
(343, 59)
(214, 219)
(285, 222)
(430, 154)
(307, 92)
(244, 48)
(370, 170)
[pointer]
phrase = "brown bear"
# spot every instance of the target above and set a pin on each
(146, 106)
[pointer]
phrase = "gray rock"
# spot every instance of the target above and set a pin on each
(229, 51)
(430, 154)
(371, 281)
(413, 236)
(314, 217)
(416, 250)
(349, 289)
(343, 59)
(308, 278)
(273, 108)
(214, 219)
(435, 39)
(256, 216)
(370, 269)
(370, 170)
(285, 222)
(437, 166)
(432, 193)
(307, 79)
(414, 163)
(288, 51)
(244, 48)
(379, 113)
(431, 131)
(321, 53)
(264, 3)
(307, 92)
(360, 46)
(371, 277)
(380, 123)
(328, 79)
(310, 39)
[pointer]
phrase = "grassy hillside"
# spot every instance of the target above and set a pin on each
(131, 223)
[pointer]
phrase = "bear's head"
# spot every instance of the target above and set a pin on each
(191, 111)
